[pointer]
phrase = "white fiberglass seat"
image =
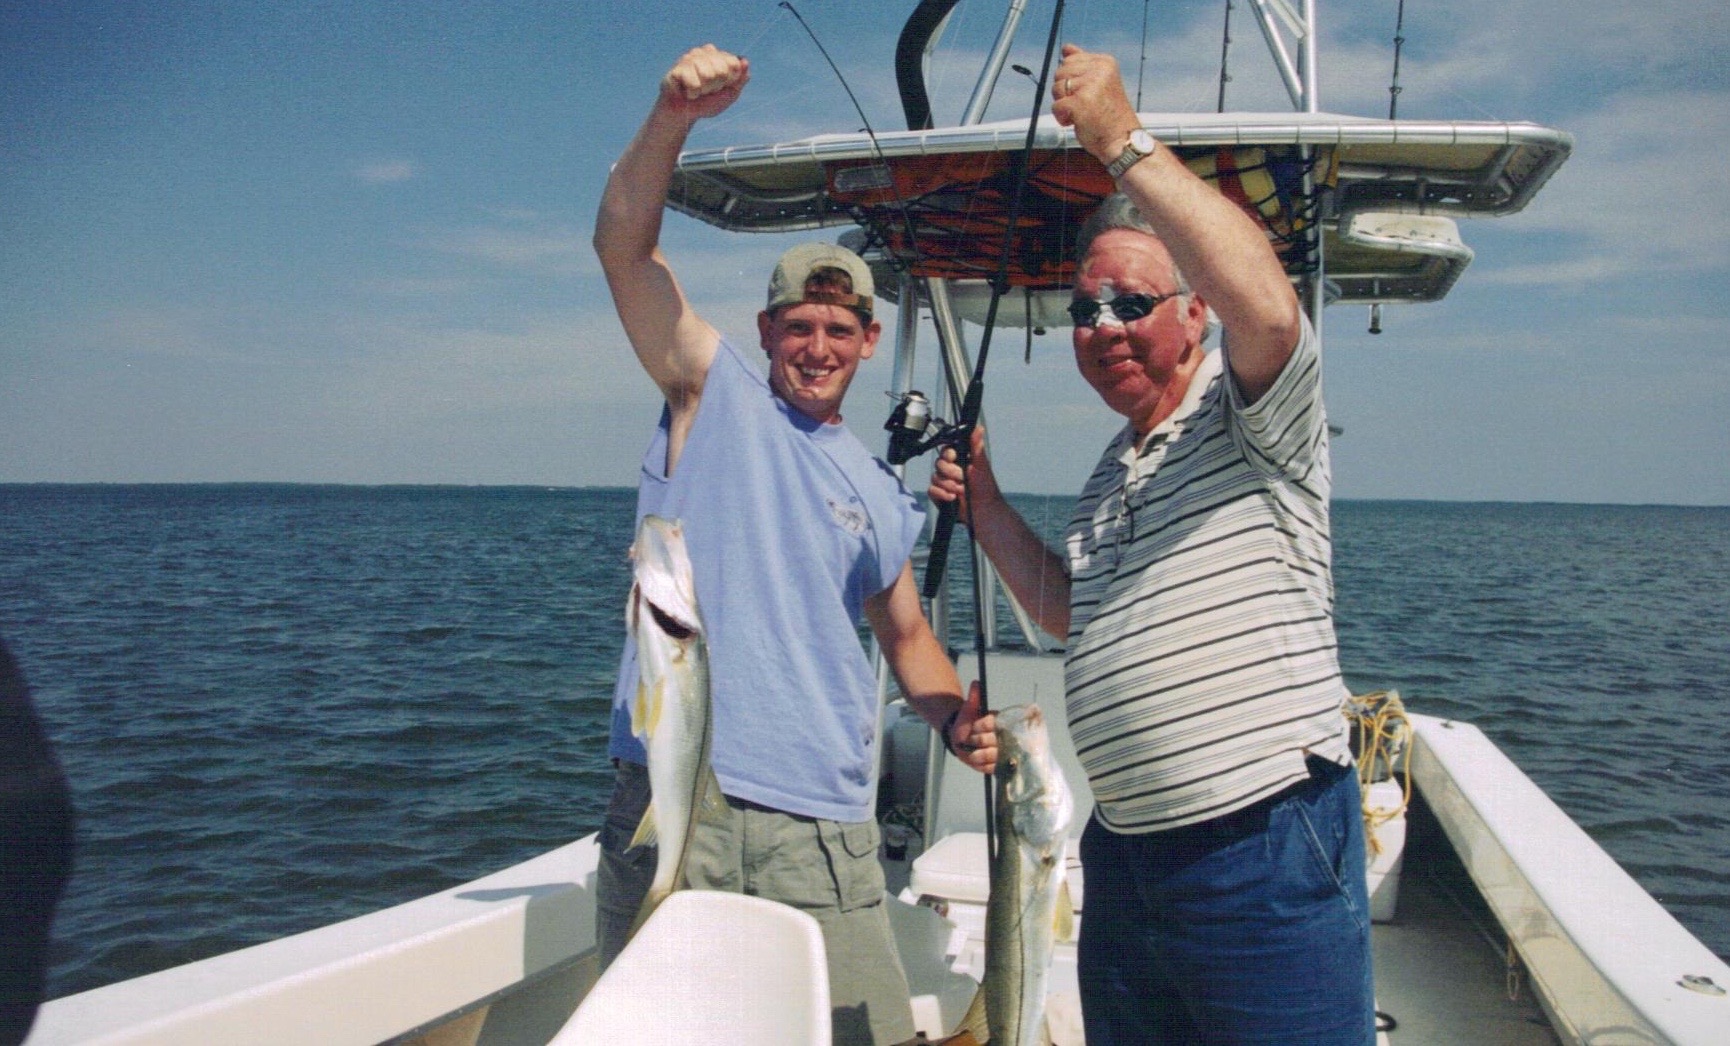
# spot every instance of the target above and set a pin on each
(714, 968)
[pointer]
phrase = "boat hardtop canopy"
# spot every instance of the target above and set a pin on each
(935, 203)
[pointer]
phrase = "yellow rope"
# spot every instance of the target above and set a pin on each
(1383, 735)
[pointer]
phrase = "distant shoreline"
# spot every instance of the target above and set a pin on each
(537, 488)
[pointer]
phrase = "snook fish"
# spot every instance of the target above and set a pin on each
(671, 712)
(1030, 908)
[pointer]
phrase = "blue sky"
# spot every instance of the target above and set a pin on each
(346, 242)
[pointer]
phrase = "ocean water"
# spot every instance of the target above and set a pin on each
(280, 706)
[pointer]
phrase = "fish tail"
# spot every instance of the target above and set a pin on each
(648, 831)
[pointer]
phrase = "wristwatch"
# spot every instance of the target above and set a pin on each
(1141, 145)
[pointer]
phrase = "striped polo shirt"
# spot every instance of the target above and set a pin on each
(1202, 661)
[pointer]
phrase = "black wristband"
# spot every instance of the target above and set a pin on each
(943, 732)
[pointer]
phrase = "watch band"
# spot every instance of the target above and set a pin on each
(1139, 147)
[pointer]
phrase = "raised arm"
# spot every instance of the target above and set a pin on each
(1222, 251)
(674, 344)
(1031, 570)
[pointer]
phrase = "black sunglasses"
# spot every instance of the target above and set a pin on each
(1126, 307)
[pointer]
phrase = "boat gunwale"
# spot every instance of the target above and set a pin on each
(511, 927)
(1605, 958)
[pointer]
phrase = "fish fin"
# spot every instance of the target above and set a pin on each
(646, 709)
(1063, 914)
(960, 1038)
(974, 1021)
(648, 833)
(657, 701)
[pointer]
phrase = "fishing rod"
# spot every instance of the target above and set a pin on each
(912, 429)
(929, 16)
(906, 215)
(959, 436)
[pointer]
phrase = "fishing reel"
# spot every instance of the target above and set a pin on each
(913, 430)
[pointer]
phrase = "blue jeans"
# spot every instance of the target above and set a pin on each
(1252, 927)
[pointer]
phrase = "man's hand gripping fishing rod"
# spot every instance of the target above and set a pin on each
(907, 439)
(913, 431)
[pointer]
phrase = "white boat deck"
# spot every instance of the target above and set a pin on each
(1440, 973)
(1441, 979)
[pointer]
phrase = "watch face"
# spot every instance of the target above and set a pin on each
(1140, 145)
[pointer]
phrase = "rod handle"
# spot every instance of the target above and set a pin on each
(937, 562)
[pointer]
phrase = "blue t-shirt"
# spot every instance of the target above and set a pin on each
(791, 525)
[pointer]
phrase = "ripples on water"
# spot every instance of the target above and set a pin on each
(280, 707)
(284, 706)
(1587, 641)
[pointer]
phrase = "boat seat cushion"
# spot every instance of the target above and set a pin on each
(958, 868)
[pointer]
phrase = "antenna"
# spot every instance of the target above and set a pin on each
(906, 216)
(1225, 49)
(1142, 68)
(1399, 42)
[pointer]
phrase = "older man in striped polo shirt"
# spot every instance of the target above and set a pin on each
(1225, 860)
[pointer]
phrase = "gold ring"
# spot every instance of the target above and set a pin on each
(1069, 85)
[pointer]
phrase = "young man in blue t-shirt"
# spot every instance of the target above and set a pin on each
(795, 532)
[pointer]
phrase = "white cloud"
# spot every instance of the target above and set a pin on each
(385, 172)
(1538, 41)
(422, 287)
(206, 333)
(1569, 272)
(519, 215)
(558, 251)
(1645, 186)
(155, 330)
